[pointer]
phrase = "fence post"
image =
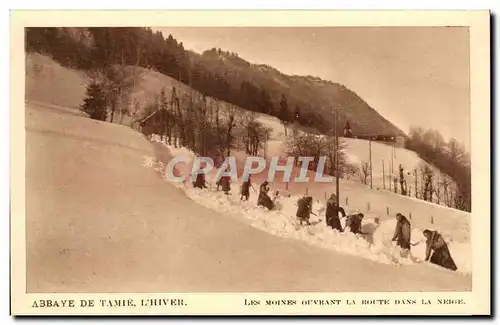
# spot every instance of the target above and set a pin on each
(410, 215)
(368, 206)
(387, 210)
(346, 201)
(432, 219)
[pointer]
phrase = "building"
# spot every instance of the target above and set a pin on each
(400, 141)
(396, 141)
(154, 123)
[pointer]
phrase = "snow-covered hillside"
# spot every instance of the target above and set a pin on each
(281, 222)
(386, 160)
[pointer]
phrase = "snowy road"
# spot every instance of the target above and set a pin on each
(98, 221)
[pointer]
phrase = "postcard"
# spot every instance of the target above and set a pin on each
(250, 163)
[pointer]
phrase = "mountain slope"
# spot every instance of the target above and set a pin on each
(310, 94)
(216, 73)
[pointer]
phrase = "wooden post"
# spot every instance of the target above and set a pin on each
(410, 215)
(307, 191)
(390, 177)
(346, 201)
(368, 206)
(387, 210)
(392, 161)
(432, 219)
(383, 173)
(265, 146)
(371, 169)
(439, 190)
(416, 184)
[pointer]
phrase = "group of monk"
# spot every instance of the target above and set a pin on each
(437, 251)
(435, 243)
(353, 222)
(224, 183)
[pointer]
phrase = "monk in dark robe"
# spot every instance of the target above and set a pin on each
(354, 222)
(332, 213)
(264, 199)
(245, 189)
(440, 253)
(402, 233)
(304, 209)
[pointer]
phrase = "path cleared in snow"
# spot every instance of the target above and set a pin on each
(281, 222)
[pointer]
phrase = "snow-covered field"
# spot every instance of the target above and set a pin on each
(281, 222)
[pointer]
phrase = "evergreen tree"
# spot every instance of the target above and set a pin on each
(265, 105)
(284, 113)
(95, 102)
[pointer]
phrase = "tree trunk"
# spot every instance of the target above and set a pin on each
(113, 106)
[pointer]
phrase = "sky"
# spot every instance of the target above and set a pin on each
(413, 76)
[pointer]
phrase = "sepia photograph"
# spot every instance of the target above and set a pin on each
(237, 159)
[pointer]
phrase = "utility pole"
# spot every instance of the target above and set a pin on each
(416, 184)
(371, 171)
(392, 161)
(390, 176)
(337, 174)
(265, 147)
(383, 173)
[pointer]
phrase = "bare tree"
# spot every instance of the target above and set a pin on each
(231, 112)
(427, 180)
(364, 172)
(445, 182)
(402, 180)
(253, 134)
(349, 171)
(118, 84)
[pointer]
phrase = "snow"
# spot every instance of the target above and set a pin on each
(281, 222)
(385, 159)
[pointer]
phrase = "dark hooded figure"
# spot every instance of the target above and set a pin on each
(402, 233)
(225, 183)
(354, 223)
(332, 213)
(264, 199)
(441, 255)
(304, 209)
(200, 181)
(245, 189)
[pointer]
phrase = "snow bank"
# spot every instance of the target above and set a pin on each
(282, 222)
(377, 247)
